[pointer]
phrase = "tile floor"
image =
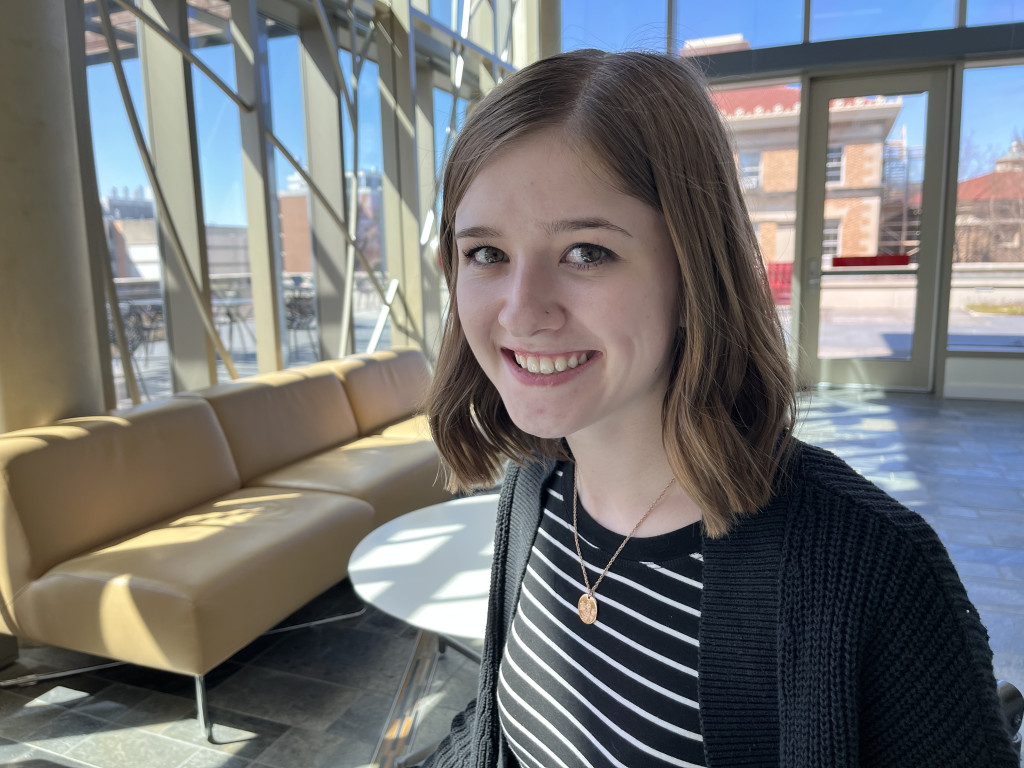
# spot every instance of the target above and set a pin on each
(318, 697)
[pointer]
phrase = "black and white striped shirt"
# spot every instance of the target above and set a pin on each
(622, 691)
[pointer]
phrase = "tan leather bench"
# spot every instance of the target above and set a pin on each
(173, 534)
(343, 427)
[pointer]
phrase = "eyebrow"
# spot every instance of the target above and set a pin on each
(552, 228)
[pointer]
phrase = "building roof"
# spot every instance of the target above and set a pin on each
(1012, 160)
(751, 101)
(1004, 185)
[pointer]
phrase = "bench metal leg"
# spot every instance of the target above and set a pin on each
(203, 709)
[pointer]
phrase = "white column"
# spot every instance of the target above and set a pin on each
(49, 350)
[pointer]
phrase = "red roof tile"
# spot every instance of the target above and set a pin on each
(771, 98)
(1007, 185)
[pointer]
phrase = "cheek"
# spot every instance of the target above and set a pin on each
(471, 314)
(468, 301)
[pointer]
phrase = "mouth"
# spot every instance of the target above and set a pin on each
(548, 365)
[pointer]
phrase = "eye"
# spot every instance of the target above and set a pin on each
(485, 254)
(587, 255)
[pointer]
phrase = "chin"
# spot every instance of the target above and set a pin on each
(537, 426)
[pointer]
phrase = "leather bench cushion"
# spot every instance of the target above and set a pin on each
(85, 481)
(383, 387)
(276, 418)
(395, 475)
(187, 593)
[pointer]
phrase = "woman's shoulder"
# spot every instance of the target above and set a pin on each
(823, 489)
(822, 502)
(519, 504)
(524, 479)
(862, 574)
(836, 515)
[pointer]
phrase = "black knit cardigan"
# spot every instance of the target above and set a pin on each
(834, 632)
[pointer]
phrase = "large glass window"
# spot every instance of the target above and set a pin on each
(834, 165)
(447, 12)
(369, 209)
(613, 25)
(986, 303)
(737, 24)
(220, 170)
(994, 11)
(129, 212)
(871, 232)
(750, 169)
(836, 19)
(763, 121)
(449, 114)
(299, 343)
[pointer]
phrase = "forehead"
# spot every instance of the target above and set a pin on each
(541, 173)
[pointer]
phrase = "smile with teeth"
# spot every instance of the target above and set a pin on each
(547, 365)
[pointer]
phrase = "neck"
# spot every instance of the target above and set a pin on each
(618, 480)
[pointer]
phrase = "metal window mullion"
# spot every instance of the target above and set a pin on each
(948, 231)
(496, 6)
(804, 272)
(479, 26)
(431, 276)
(400, 187)
(259, 183)
(670, 26)
(167, 81)
(324, 23)
(549, 27)
(321, 98)
(504, 51)
(352, 212)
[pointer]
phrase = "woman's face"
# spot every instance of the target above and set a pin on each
(566, 291)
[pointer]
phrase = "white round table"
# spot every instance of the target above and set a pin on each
(431, 567)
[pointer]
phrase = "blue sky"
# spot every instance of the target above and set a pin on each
(611, 24)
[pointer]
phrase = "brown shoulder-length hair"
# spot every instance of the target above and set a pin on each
(646, 120)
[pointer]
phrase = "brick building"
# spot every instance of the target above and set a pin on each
(990, 212)
(872, 200)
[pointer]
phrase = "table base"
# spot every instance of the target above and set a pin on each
(400, 729)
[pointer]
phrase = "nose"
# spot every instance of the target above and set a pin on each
(531, 301)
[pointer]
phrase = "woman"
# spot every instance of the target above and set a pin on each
(677, 580)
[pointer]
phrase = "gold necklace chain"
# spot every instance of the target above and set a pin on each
(587, 605)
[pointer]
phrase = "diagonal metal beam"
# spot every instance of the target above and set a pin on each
(183, 49)
(166, 222)
(210, 19)
(355, 65)
(332, 45)
(120, 34)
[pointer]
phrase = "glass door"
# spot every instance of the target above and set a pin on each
(871, 239)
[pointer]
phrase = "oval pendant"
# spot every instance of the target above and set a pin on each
(587, 607)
